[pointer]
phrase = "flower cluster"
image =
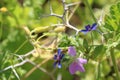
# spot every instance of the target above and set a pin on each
(76, 65)
(58, 57)
(77, 62)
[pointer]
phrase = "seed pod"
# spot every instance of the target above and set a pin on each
(39, 31)
(60, 29)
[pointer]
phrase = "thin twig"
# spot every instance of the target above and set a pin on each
(73, 11)
(20, 46)
(26, 55)
(72, 4)
(52, 13)
(16, 74)
(67, 18)
(65, 8)
(29, 53)
(42, 69)
(19, 57)
(34, 68)
(64, 16)
(16, 65)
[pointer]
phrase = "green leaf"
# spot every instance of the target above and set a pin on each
(115, 12)
(64, 41)
(85, 44)
(112, 21)
(98, 52)
(117, 37)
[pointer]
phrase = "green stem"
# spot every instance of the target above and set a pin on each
(87, 4)
(114, 64)
(98, 71)
(1, 28)
(90, 9)
(20, 46)
(92, 38)
(16, 19)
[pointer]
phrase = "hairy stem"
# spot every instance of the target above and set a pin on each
(88, 5)
(20, 46)
(98, 71)
(114, 64)
(1, 28)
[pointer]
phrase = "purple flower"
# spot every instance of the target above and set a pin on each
(77, 65)
(71, 51)
(89, 28)
(58, 57)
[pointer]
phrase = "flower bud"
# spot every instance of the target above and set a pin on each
(3, 9)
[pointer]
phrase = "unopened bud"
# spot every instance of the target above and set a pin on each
(3, 9)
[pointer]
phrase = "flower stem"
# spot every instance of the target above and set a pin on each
(98, 71)
(20, 46)
(1, 29)
(92, 38)
(87, 4)
(114, 64)
(90, 9)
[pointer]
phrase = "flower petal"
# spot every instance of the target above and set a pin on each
(81, 68)
(71, 51)
(59, 51)
(59, 65)
(55, 63)
(55, 57)
(84, 31)
(94, 26)
(81, 60)
(73, 68)
(87, 27)
(61, 56)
